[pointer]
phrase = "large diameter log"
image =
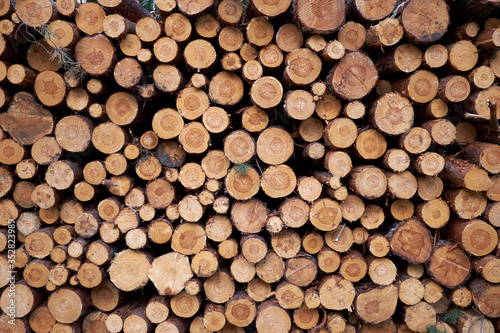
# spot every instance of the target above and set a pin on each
(25, 299)
(462, 173)
(95, 53)
(375, 305)
(465, 203)
(249, 216)
(36, 13)
(272, 318)
(320, 17)
(449, 265)
(354, 76)
(129, 270)
(485, 155)
(486, 297)
(67, 304)
(411, 240)
(336, 293)
(425, 21)
(26, 121)
(392, 114)
(130, 9)
(420, 316)
(474, 236)
(170, 273)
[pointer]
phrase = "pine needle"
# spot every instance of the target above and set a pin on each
(452, 317)
(242, 168)
(433, 329)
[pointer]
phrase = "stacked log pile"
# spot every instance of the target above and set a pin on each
(276, 166)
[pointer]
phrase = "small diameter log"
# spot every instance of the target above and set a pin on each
(116, 26)
(382, 271)
(484, 155)
(449, 265)
(373, 216)
(231, 40)
(402, 185)
(353, 267)
(73, 133)
(194, 138)
(340, 133)
(465, 174)
(220, 287)
(491, 214)
(463, 56)
(289, 37)
(411, 290)
(474, 236)
(481, 77)
(294, 212)
(401, 209)
(340, 242)
(325, 214)
(178, 27)
(370, 144)
(271, 268)
(301, 67)
(411, 240)
(90, 17)
(375, 305)
(240, 310)
(230, 12)
(494, 191)
(405, 58)
(420, 87)
(417, 140)
(188, 238)
(386, 32)
(328, 107)
(352, 35)
(215, 119)
(305, 317)
(299, 104)
(266, 92)
(368, 181)
(108, 138)
(396, 160)
(21, 76)
(429, 188)
(434, 213)
(471, 321)
(453, 88)
(354, 110)
(50, 88)
(40, 319)
(353, 77)
(488, 267)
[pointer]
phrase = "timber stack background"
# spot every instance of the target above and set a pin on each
(273, 166)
